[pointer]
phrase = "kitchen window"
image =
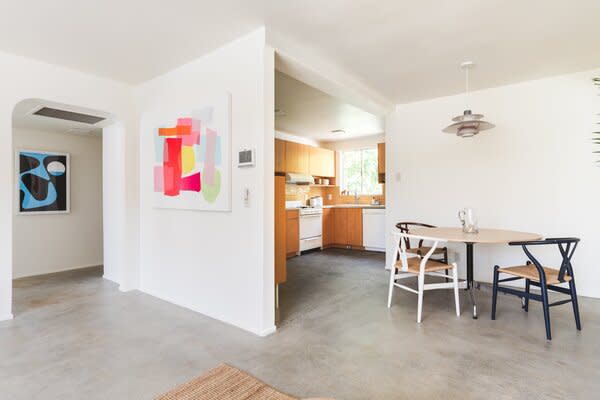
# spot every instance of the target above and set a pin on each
(358, 170)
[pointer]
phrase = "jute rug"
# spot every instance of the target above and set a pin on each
(225, 383)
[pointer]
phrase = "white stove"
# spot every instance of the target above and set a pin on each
(311, 225)
(305, 210)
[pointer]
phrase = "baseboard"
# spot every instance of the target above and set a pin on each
(125, 289)
(6, 317)
(342, 246)
(375, 249)
(268, 331)
(110, 278)
(170, 300)
(41, 273)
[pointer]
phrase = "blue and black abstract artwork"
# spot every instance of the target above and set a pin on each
(43, 182)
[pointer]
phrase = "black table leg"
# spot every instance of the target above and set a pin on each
(470, 278)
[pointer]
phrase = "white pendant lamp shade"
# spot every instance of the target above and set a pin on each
(467, 124)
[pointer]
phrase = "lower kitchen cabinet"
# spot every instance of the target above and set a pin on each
(355, 227)
(340, 226)
(292, 232)
(328, 226)
(346, 226)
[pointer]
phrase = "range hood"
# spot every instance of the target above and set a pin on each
(299, 179)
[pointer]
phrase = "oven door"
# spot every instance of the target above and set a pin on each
(311, 225)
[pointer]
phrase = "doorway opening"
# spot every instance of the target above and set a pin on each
(58, 227)
(329, 194)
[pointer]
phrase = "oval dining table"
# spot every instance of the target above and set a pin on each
(485, 236)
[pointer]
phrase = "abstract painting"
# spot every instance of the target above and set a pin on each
(192, 159)
(43, 182)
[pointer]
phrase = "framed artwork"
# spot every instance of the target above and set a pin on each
(192, 157)
(43, 182)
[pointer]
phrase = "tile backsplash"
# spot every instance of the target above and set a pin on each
(331, 195)
(303, 192)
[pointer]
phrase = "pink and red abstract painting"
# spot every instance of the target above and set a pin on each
(192, 160)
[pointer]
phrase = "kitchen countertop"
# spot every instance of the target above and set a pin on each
(355, 206)
(370, 206)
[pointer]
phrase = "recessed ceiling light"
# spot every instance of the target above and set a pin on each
(336, 131)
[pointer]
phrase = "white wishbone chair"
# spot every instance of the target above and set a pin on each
(407, 265)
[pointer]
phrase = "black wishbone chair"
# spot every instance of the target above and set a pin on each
(543, 277)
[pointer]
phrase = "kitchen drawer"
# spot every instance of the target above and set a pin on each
(311, 243)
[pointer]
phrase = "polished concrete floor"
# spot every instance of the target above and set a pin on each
(75, 336)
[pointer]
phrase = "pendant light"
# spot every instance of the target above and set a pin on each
(467, 124)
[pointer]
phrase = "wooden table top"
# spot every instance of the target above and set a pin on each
(484, 235)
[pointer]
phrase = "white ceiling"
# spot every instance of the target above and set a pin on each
(308, 112)
(127, 40)
(404, 50)
(23, 118)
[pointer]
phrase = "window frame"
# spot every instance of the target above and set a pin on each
(342, 182)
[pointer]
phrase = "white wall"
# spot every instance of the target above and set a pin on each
(216, 263)
(49, 243)
(534, 172)
(22, 78)
(114, 213)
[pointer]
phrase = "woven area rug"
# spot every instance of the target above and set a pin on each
(225, 383)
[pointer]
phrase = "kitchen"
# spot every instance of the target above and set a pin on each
(329, 178)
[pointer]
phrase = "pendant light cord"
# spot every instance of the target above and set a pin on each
(466, 67)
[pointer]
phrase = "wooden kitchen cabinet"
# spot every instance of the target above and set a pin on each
(381, 162)
(347, 227)
(292, 232)
(321, 162)
(297, 158)
(328, 225)
(340, 226)
(355, 227)
(279, 155)
(280, 229)
(302, 159)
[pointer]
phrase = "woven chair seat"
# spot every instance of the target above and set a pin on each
(530, 272)
(414, 265)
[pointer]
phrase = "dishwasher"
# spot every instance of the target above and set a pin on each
(374, 229)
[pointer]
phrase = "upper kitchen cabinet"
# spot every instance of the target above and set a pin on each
(302, 159)
(279, 155)
(322, 162)
(297, 157)
(381, 162)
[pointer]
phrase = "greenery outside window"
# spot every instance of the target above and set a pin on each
(358, 169)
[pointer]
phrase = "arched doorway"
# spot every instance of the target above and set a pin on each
(68, 199)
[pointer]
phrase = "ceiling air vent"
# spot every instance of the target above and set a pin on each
(68, 115)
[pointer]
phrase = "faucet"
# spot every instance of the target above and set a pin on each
(356, 197)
